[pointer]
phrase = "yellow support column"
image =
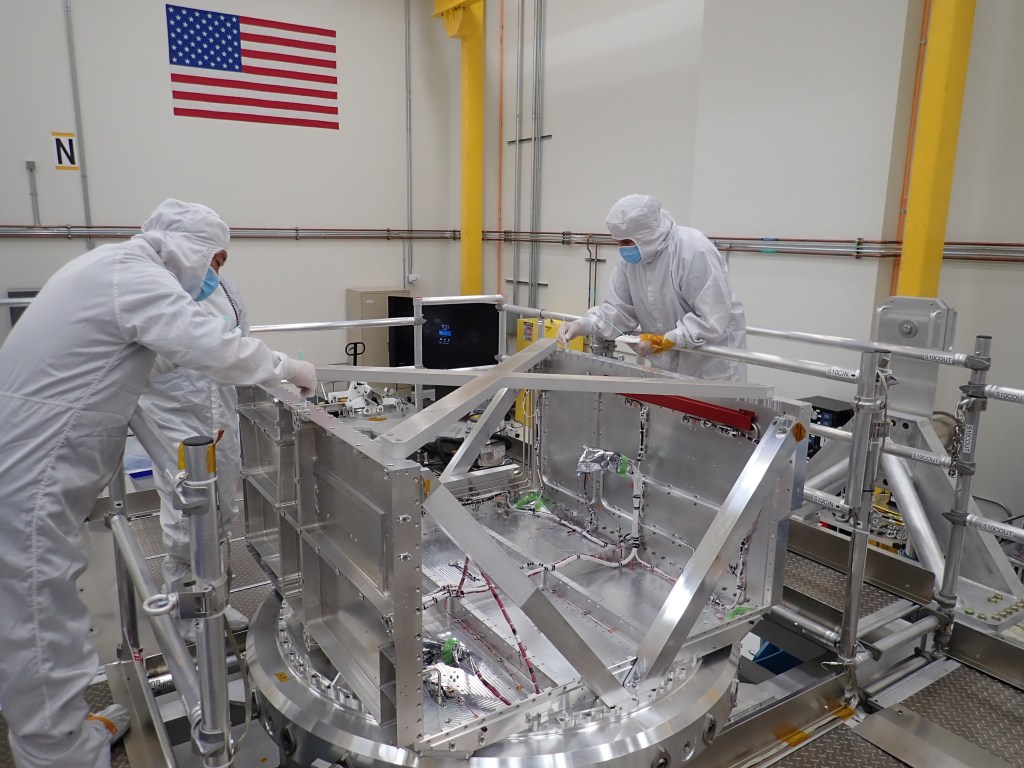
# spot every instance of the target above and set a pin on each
(935, 140)
(465, 20)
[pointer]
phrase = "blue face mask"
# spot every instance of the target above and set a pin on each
(209, 285)
(630, 253)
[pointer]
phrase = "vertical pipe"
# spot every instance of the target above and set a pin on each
(79, 131)
(33, 192)
(417, 347)
(868, 428)
(502, 331)
(125, 587)
(500, 225)
(208, 570)
(974, 403)
(540, 11)
(407, 266)
(517, 213)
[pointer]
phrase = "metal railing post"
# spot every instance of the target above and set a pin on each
(208, 571)
(129, 645)
(868, 430)
(502, 332)
(417, 347)
(971, 407)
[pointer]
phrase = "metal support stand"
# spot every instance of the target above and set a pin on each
(211, 581)
(975, 401)
(129, 645)
(417, 348)
(869, 428)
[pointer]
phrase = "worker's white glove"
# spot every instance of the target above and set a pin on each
(303, 376)
(569, 331)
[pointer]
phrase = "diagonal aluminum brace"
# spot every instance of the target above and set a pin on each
(709, 562)
(653, 384)
(462, 528)
(488, 422)
(412, 433)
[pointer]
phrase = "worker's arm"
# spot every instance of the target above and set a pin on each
(615, 316)
(704, 286)
(153, 310)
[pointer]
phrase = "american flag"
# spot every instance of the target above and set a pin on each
(228, 67)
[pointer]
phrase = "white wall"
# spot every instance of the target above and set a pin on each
(620, 90)
(782, 119)
(746, 118)
(988, 190)
(138, 153)
(795, 128)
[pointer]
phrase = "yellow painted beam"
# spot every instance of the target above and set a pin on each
(465, 20)
(935, 140)
(472, 226)
(442, 7)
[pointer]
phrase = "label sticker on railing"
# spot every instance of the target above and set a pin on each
(1010, 397)
(824, 501)
(842, 373)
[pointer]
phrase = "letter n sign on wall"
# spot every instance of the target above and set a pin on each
(65, 145)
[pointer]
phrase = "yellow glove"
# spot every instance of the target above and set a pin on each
(659, 343)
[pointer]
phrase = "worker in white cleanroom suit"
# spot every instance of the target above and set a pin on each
(672, 284)
(71, 372)
(180, 403)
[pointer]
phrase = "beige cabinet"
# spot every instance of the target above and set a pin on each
(370, 304)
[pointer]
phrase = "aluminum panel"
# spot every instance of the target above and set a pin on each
(348, 629)
(355, 526)
(262, 523)
(347, 553)
(710, 562)
(269, 460)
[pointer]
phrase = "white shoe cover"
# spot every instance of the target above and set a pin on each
(115, 719)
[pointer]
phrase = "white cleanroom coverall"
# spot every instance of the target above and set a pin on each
(179, 404)
(71, 372)
(681, 285)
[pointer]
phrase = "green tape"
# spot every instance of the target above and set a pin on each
(738, 611)
(448, 651)
(527, 500)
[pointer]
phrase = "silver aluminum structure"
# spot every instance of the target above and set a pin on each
(578, 641)
(582, 605)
